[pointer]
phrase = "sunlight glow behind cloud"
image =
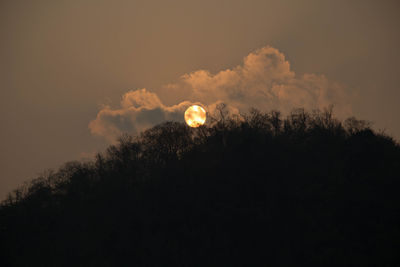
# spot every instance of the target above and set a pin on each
(264, 81)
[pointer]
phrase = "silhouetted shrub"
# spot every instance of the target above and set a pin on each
(259, 189)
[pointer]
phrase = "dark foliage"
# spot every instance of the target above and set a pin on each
(306, 190)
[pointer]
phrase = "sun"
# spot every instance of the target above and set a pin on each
(195, 116)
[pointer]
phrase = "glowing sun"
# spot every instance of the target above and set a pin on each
(195, 116)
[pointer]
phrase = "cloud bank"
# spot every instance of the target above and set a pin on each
(264, 81)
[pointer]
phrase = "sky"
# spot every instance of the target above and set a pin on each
(76, 74)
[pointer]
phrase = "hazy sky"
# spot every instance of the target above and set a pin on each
(62, 62)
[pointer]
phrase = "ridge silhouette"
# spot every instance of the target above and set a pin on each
(262, 190)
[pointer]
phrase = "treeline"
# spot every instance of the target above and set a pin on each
(256, 190)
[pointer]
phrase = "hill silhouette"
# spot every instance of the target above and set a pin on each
(304, 190)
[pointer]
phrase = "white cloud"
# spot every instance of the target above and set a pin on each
(264, 81)
(139, 110)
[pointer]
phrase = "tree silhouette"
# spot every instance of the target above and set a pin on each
(255, 190)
